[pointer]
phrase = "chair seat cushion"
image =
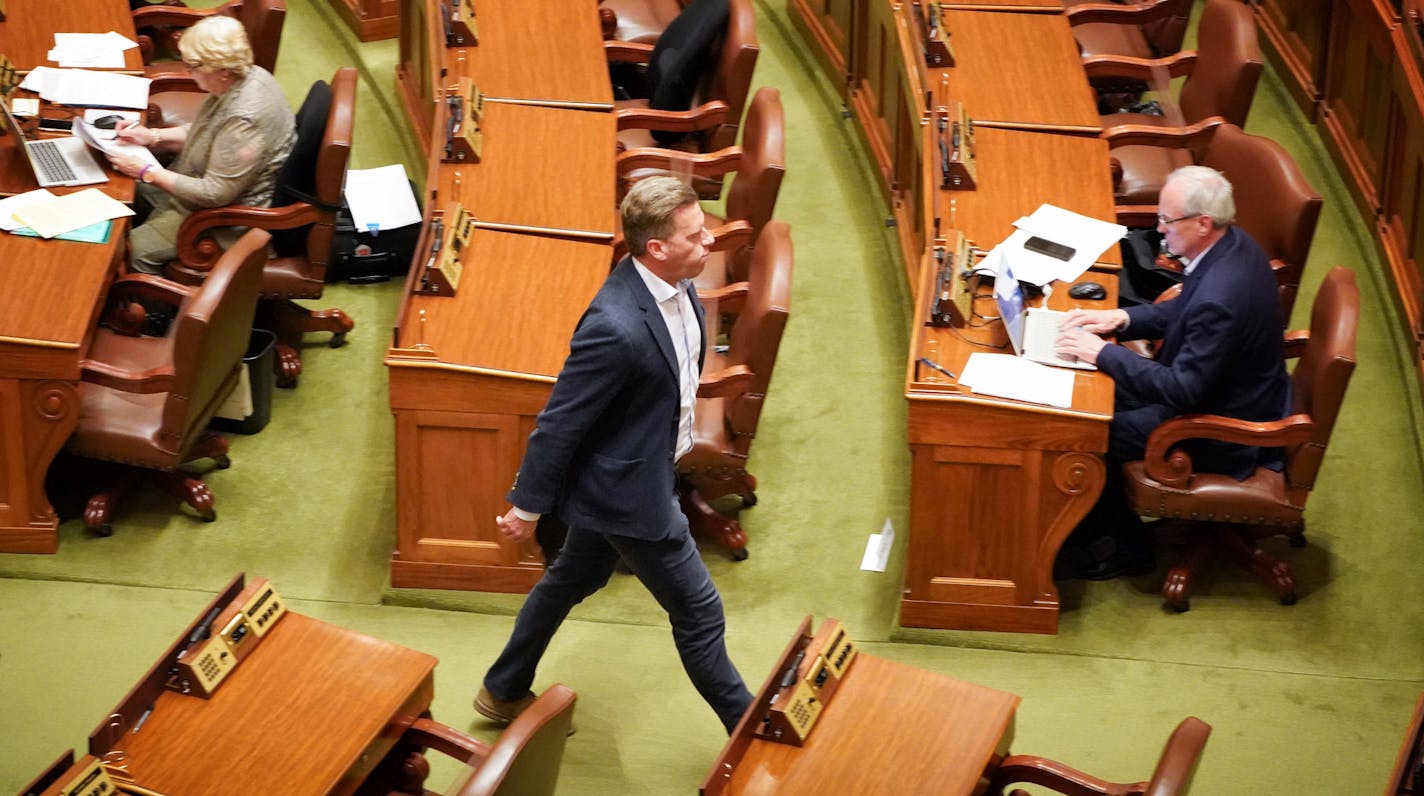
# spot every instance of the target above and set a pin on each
(134, 354)
(177, 107)
(121, 427)
(1261, 499)
(1104, 38)
(642, 20)
(1145, 170)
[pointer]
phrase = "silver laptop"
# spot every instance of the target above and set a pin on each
(56, 161)
(1032, 330)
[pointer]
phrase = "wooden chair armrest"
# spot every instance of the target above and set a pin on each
(1193, 135)
(1057, 776)
(171, 16)
(627, 52)
(712, 164)
(732, 235)
(1145, 69)
(1295, 342)
(1115, 13)
(448, 741)
(727, 299)
(1173, 467)
(1136, 215)
(726, 383)
(179, 79)
(149, 286)
(709, 114)
(197, 249)
(139, 382)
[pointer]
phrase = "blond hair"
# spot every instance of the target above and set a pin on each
(648, 209)
(217, 42)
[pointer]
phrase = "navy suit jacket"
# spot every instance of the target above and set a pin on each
(1221, 349)
(602, 451)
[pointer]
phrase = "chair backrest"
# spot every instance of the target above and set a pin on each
(1228, 64)
(1165, 35)
(1323, 372)
(731, 79)
(210, 334)
(525, 760)
(752, 197)
(1274, 203)
(1178, 764)
(756, 335)
(315, 171)
(263, 21)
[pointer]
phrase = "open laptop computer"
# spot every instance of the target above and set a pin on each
(55, 161)
(1032, 330)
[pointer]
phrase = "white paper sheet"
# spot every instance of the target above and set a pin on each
(85, 87)
(1088, 237)
(1008, 376)
(8, 222)
(94, 50)
(381, 196)
(71, 211)
(102, 140)
(877, 548)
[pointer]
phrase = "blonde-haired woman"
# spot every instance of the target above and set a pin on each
(229, 154)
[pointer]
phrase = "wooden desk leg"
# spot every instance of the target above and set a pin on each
(985, 526)
(36, 417)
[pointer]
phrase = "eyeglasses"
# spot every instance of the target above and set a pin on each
(1164, 221)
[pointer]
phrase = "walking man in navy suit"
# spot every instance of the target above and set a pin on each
(604, 452)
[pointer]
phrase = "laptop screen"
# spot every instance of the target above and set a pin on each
(12, 126)
(1010, 299)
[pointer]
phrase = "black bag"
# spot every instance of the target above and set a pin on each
(1144, 279)
(358, 256)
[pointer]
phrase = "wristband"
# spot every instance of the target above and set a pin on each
(142, 172)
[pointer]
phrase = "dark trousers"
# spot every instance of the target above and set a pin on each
(672, 570)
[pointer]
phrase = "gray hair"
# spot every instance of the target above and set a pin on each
(217, 42)
(648, 208)
(1205, 192)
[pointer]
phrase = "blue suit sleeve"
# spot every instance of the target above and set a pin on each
(1193, 373)
(599, 357)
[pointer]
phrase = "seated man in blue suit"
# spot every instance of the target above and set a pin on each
(1221, 354)
(604, 454)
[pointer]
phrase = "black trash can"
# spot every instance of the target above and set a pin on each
(261, 379)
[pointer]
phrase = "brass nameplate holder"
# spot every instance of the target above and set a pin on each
(460, 30)
(938, 53)
(93, 780)
(463, 138)
(449, 236)
(240, 625)
(9, 76)
(951, 299)
(958, 169)
(808, 685)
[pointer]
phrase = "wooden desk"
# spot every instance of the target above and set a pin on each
(310, 712)
(1020, 6)
(27, 34)
(1021, 71)
(887, 723)
(996, 485)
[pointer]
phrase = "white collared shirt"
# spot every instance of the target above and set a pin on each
(1191, 265)
(686, 334)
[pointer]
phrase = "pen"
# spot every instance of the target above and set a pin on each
(939, 367)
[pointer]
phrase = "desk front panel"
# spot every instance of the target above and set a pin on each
(309, 713)
(27, 34)
(887, 723)
(1020, 70)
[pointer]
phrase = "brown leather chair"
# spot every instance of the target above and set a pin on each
(145, 402)
(734, 386)
(160, 27)
(1136, 28)
(759, 163)
(1221, 78)
(717, 103)
(1274, 203)
(1230, 515)
(1174, 773)
(303, 213)
(524, 761)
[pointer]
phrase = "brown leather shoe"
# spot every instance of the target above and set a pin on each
(501, 712)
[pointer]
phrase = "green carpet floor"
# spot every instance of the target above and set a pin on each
(1310, 699)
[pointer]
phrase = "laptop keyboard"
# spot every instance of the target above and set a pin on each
(51, 161)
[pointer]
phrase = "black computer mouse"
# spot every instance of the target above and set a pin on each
(1092, 291)
(107, 122)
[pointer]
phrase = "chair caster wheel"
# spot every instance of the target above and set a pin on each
(209, 517)
(739, 554)
(749, 500)
(104, 531)
(223, 462)
(1288, 599)
(1180, 607)
(1296, 540)
(338, 339)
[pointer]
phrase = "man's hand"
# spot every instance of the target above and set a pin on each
(1095, 321)
(1075, 343)
(514, 528)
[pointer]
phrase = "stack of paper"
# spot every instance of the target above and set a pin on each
(85, 87)
(60, 214)
(381, 198)
(103, 140)
(1008, 376)
(93, 50)
(1087, 236)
